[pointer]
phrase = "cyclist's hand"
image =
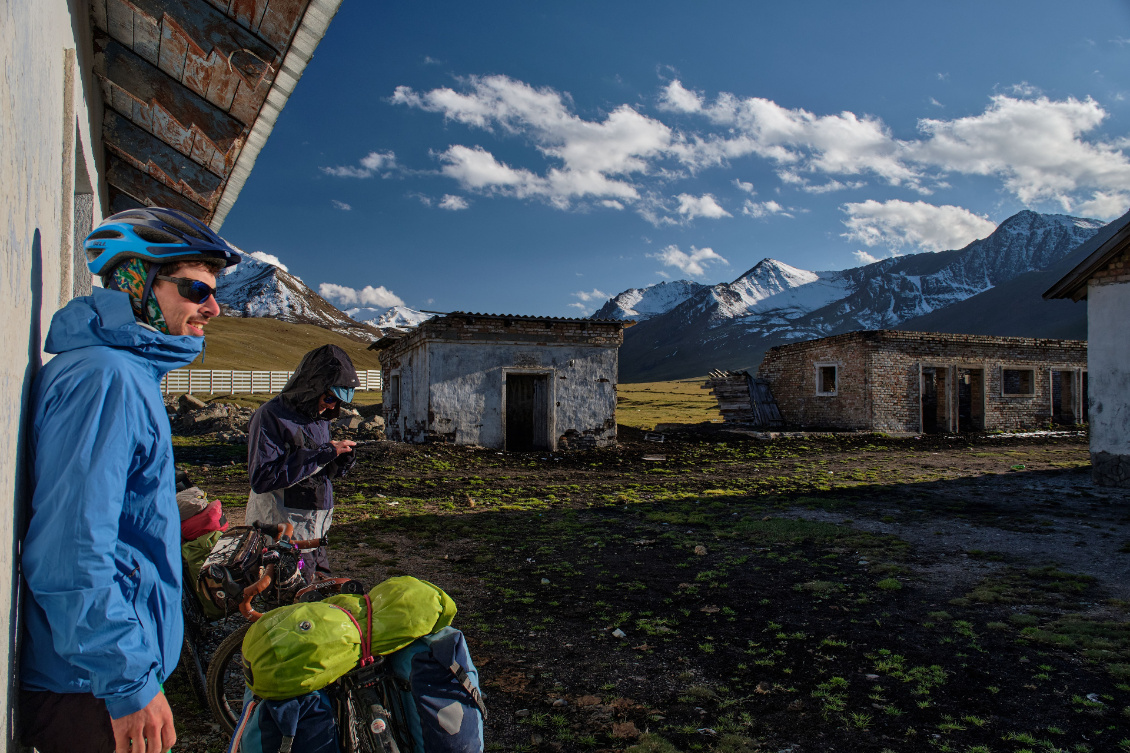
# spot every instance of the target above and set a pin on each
(149, 730)
(343, 446)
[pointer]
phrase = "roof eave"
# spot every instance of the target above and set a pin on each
(315, 22)
(1073, 285)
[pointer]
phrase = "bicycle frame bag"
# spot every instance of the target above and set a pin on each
(232, 565)
(306, 724)
(443, 707)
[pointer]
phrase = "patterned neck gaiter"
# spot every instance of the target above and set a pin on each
(129, 277)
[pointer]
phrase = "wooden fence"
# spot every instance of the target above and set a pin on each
(208, 382)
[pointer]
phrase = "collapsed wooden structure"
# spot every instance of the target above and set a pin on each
(744, 400)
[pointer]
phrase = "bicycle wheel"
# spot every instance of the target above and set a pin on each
(193, 662)
(225, 683)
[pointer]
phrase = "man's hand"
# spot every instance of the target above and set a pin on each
(343, 446)
(150, 730)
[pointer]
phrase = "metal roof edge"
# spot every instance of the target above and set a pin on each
(315, 22)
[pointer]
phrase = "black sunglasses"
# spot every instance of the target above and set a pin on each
(194, 290)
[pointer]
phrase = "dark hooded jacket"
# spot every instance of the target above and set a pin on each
(289, 446)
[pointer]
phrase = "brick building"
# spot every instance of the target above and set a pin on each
(1103, 278)
(507, 382)
(888, 380)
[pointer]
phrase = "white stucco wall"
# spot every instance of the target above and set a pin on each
(1108, 366)
(459, 388)
(45, 129)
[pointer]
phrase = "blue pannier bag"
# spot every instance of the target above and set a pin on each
(305, 724)
(442, 704)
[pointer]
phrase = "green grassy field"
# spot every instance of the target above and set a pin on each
(270, 345)
(645, 404)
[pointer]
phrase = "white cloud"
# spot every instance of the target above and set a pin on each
(379, 297)
(864, 258)
(700, 206)
(763, 209)
(594, 295)
(588, 152)
(453, 203)
(612, 204)
(693, 264)
(742, 185)
(900, 224)
(1024, 89)
(1034, 146)
(935, 102)
(266, 258)
(340, 205)
(1105, 206)
(677, 98)
(371, 164)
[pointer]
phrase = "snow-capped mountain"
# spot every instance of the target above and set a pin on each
(637, 304)
(731, 325)
(397, 318)
(261, 287)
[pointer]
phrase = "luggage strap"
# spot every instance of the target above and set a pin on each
(367, 657)
(465, 680)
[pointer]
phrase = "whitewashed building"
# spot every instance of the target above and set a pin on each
(506, 382)
(1103, 279)
(107, 105)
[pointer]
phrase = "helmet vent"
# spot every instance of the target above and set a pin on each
(181, 225)
(101, 234)
(153, 235)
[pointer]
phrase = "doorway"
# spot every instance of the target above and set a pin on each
(934, 400)
(527, 412)
(970, 400)
(1063, 398)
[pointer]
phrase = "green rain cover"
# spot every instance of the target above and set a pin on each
(194, 553)
(404, 609)
(297, 649)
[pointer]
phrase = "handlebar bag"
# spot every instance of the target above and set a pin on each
(237, 554)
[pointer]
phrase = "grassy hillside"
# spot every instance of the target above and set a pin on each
(645, 404)
(271, 345)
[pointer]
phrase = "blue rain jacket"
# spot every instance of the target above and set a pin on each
(102, 553)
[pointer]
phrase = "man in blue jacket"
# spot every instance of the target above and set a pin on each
(101, 558)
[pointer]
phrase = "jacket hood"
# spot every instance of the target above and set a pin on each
(320, 369)
(106, 318)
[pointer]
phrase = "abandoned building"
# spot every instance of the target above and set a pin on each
(1103, 279)
(928, 382)
(505, 382)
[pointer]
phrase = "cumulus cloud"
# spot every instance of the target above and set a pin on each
(593, 295)
(1035, 146)
(373, 163)
(341, 205)
(453, 203)
(700, 206)
(693, 264)
(266, 258)
(1104, 205)
(343, 295)
(742, 185)
(587, 152)
(901, 224)
(676, 98)
(864, 258)
(763, 209)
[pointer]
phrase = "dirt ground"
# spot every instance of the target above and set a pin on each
(715, 591)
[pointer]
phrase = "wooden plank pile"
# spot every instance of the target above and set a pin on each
(744, 400)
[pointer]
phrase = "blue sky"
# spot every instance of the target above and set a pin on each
(535, 158)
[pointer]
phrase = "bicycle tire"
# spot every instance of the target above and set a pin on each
(224, 681)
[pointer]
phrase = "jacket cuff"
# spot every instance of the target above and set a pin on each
(326, 455)
(120, 706)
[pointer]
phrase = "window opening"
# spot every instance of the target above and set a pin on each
(1018, 382)
(826, 378)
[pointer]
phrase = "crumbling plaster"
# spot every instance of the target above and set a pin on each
(455, 391)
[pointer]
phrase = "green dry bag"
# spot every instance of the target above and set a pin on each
(404, 609)
(298, 649)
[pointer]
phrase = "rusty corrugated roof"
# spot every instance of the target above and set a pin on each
(191, 90)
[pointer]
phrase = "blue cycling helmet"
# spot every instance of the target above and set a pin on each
(156, 235)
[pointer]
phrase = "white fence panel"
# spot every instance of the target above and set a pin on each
(208, 382)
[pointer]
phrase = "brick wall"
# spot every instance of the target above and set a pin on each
(1116, 270)
(879, 379)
